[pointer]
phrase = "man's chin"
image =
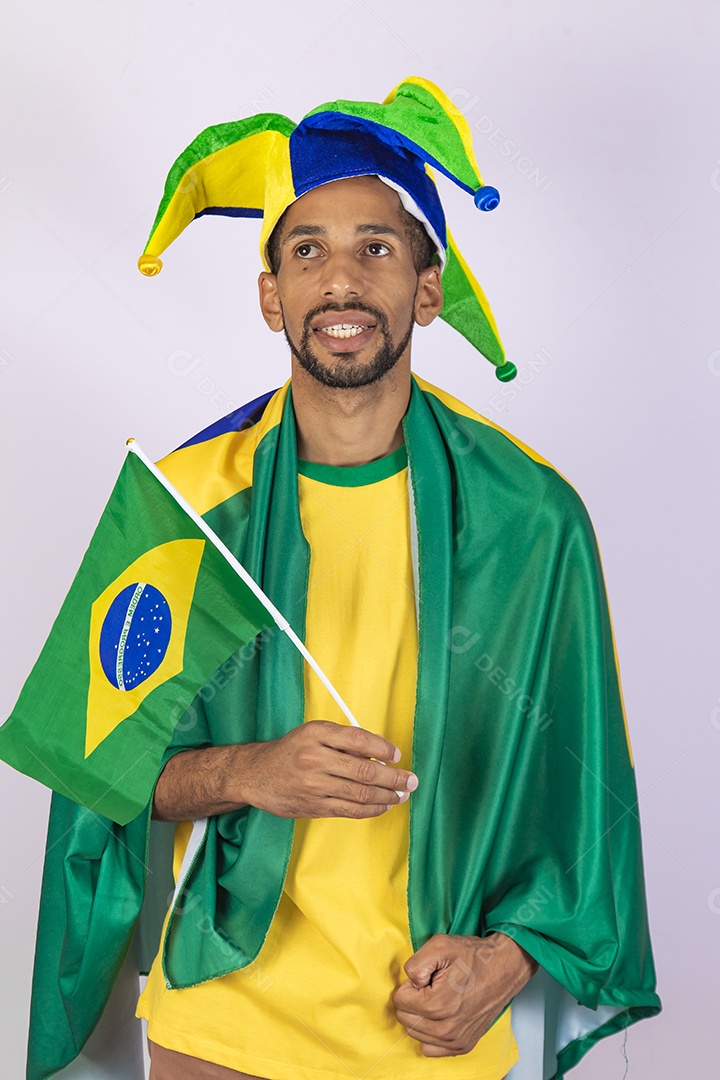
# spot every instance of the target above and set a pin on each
(347, 373)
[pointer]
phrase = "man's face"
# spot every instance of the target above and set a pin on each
(346, 291)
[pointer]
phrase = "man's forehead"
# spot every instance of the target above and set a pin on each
(355, 202)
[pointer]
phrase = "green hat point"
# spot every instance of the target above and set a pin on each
(506, 372)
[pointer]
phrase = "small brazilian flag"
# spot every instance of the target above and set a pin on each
(155, 608)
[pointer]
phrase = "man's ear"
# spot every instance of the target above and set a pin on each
(429, 296)
(270, 301)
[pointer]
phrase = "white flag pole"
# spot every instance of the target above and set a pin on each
(240, 570)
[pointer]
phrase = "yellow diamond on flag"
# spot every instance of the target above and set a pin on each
(137, 633)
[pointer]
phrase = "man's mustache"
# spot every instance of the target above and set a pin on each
(367, 309)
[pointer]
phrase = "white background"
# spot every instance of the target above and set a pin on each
(598, 123)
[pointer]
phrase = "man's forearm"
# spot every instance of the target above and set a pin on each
(318, 769)
(200, 783)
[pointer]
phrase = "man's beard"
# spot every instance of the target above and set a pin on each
(348, 375)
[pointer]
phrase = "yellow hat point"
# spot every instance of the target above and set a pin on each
(149, 265)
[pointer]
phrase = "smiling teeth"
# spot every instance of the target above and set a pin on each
(345, 330)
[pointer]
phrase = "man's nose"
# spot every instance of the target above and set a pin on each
(342, 276)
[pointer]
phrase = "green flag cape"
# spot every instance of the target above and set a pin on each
(525, 821)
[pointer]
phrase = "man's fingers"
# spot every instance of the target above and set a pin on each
(408, 997)
(431, 1050)
(362, 757)
(438, 1032)
(373, 773)
(423, 1004)
(323, 769)
(438, 1038)
(324, 773)
(331, 807)
(365, 794)
(356, 740)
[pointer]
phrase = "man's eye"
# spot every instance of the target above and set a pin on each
(376, 248)
(306, 251)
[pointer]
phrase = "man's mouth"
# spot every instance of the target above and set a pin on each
(343, 330)
(357, 339)
(353, 329)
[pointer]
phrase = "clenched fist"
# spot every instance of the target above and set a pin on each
(457, 985)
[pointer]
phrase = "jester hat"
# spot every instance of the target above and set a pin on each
(258, 166)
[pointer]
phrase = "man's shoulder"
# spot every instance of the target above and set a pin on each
(481, 448)
(478, 427)
(217, 463)
(240, 419)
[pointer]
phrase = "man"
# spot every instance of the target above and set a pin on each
(447, 579)
(347, 294)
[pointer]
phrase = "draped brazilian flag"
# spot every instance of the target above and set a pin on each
(155, 608)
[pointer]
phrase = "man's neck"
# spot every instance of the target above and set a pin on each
(349, 427)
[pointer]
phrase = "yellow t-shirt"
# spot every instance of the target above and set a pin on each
(317, 1002)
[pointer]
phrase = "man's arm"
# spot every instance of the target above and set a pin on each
(319, 769)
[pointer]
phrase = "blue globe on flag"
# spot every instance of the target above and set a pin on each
(135, 635)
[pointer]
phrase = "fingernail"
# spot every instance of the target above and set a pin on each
(404, 797)
(412, 782)
(397, 755)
